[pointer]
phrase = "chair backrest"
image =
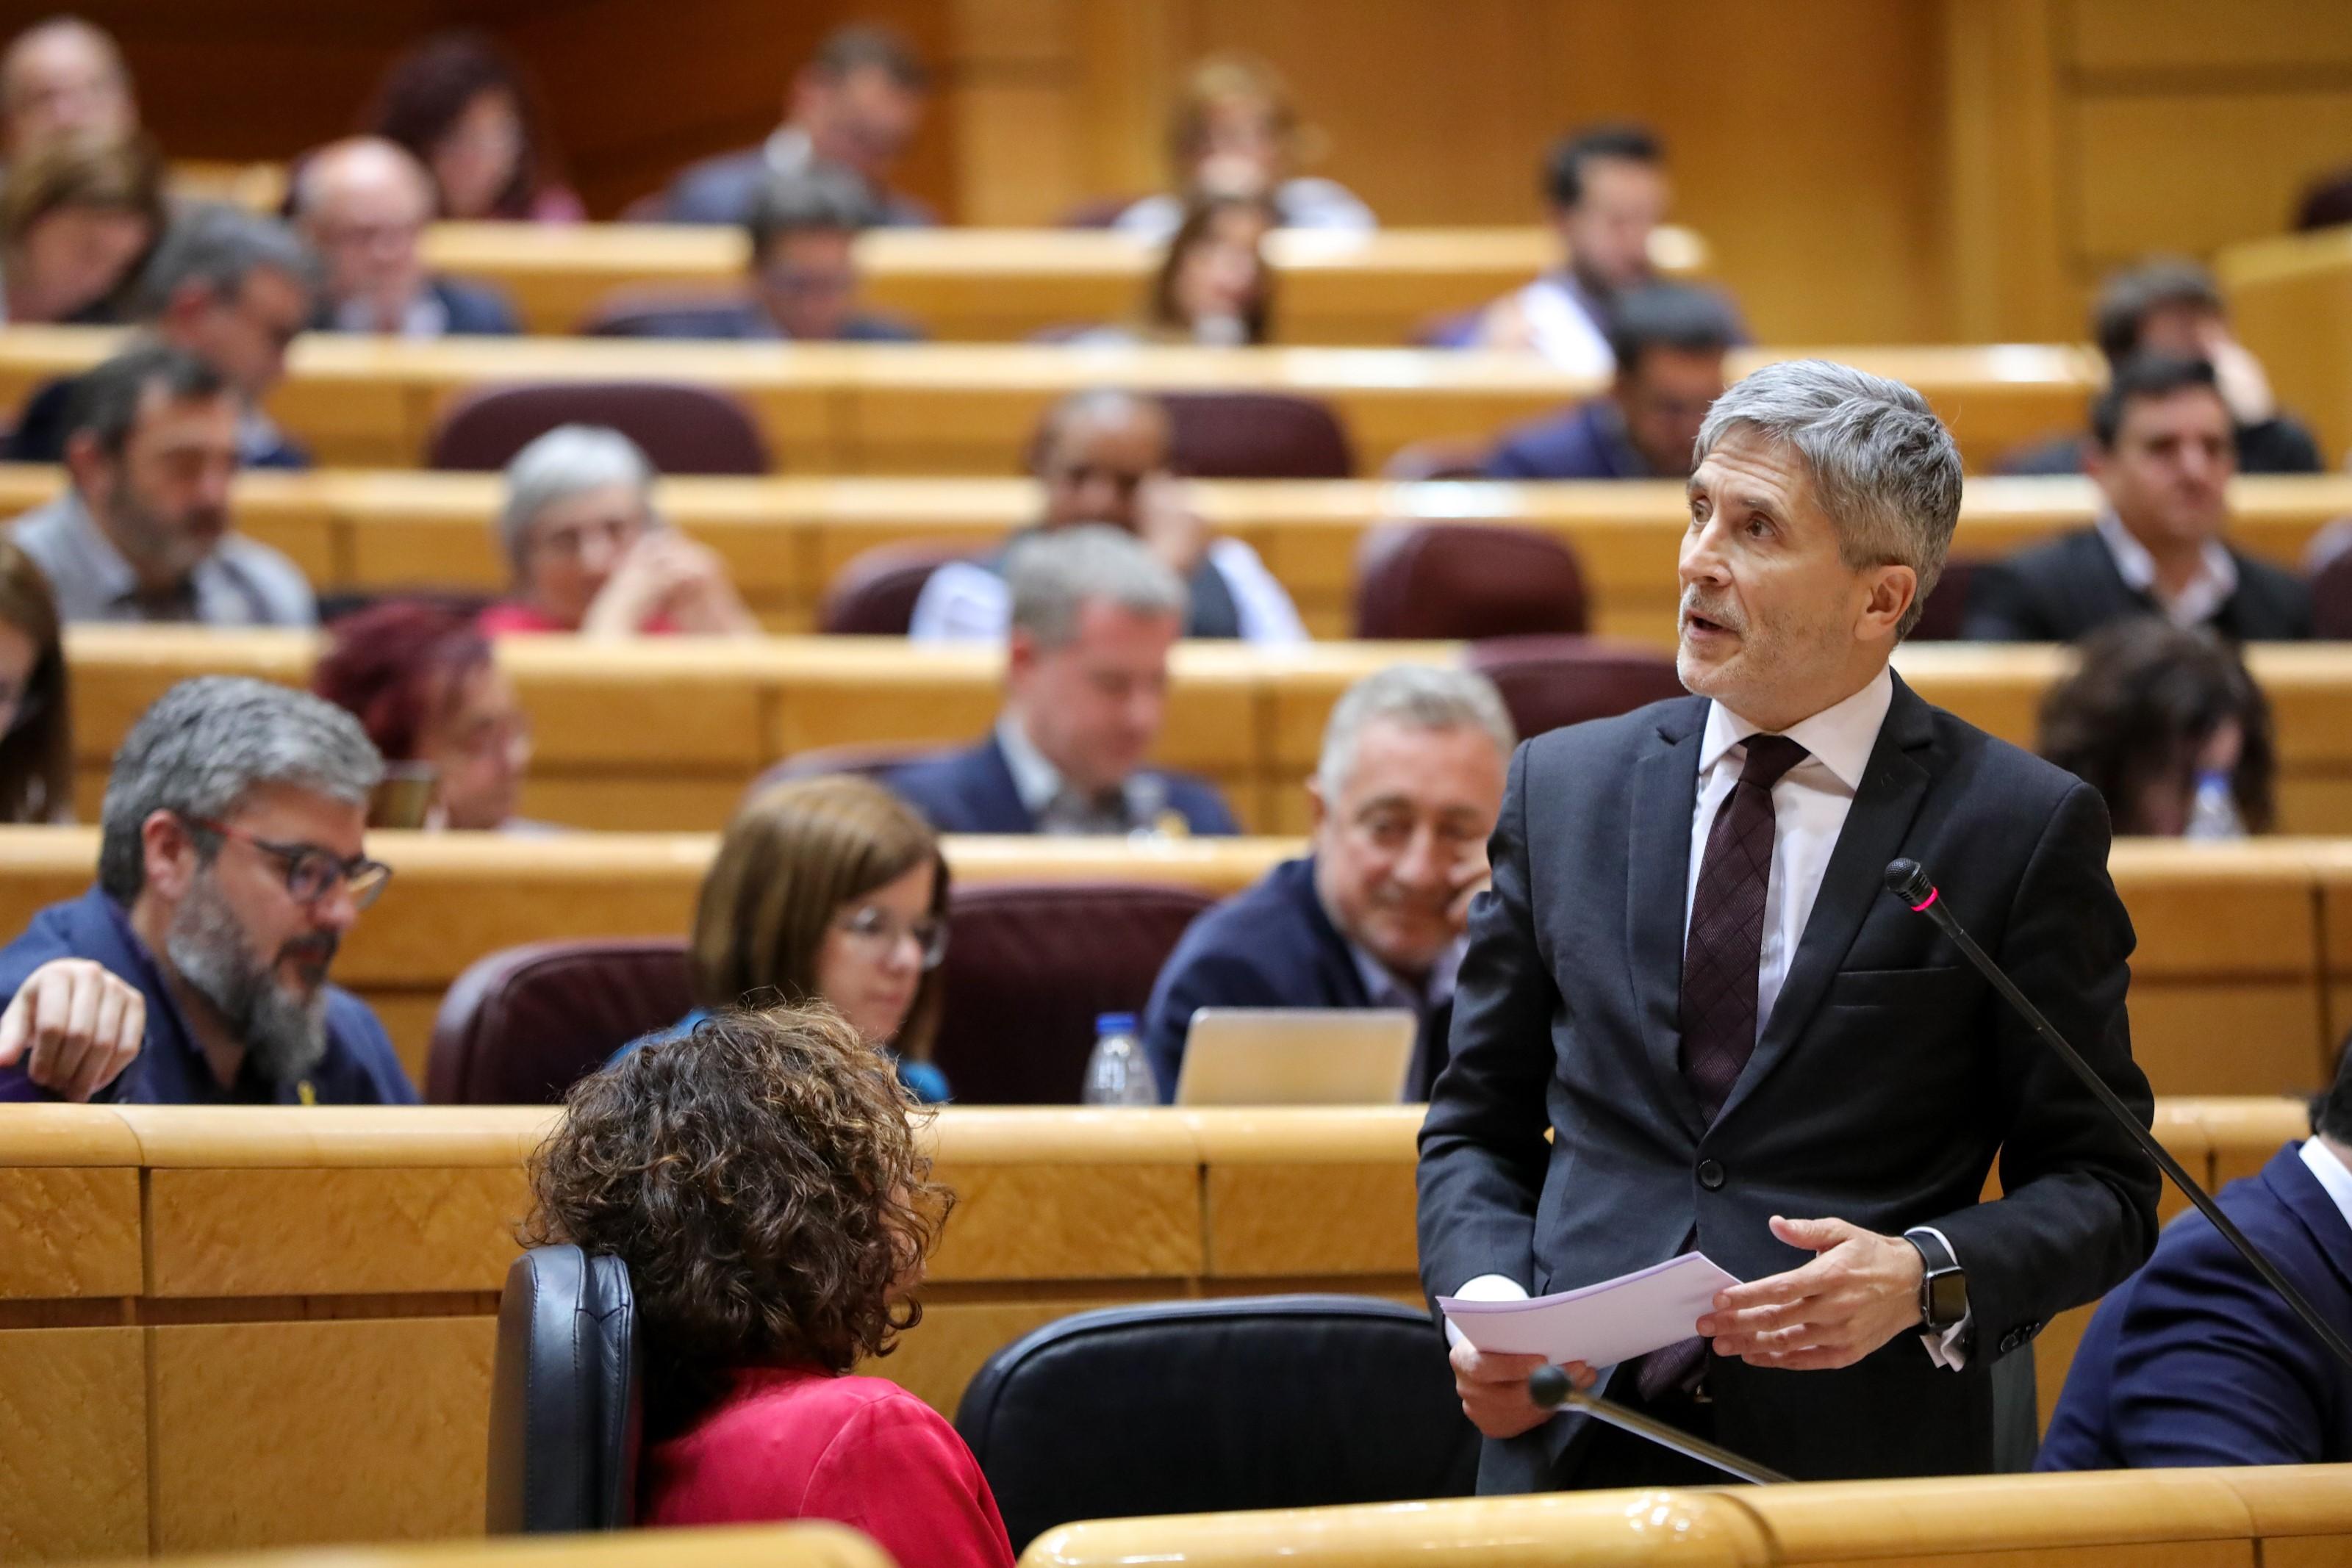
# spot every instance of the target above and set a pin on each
(1212, 1405)
(684, 429)
(566, 1396)
(1030, 968)
(1947, 603)
(1256, 436)
(1465, 580)
(2331, 598)
(1547, 682)
(874, 594)
(522, 1026)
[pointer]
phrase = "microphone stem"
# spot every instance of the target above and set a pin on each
(2196, 1195)
(1673, 1437)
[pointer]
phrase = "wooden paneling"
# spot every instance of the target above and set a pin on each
(2290, 300)
(347, 1232)
(68, 1231)
(73, 1469)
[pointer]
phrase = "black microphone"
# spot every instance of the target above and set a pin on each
(1908, 880)
(1549, 1386)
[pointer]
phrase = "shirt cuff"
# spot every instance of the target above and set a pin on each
(1485, 1288)
(1949, 1349)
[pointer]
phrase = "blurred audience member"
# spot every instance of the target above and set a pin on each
(230, 868)
(2165, 723)
(1668, 343)
(234, 289)
(2162, 456)
(1400, 808)
(363, 204)
(1086, 691)
(1213, 288)
(143, 532)
(829, 892)
(1102, 456)
(2195, 1360)
(1607, 189)
(77, 213)
(2170, 307)
(854, 106)
(1236, 133)
(63, 77)
(35, 725)
(762, 1181)
(421, 681)
(589, 553)
(464, 108)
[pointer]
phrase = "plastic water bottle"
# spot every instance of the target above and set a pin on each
(1117, 1073)
(2213, 813)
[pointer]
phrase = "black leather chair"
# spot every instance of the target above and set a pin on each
(566, 1400)
(1192, 1407)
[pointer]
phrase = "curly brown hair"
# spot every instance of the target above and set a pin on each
(762, 1179)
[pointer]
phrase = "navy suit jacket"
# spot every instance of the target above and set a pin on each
(1272, 946)
(721, 190)
(2068, 588)
(475, 309)
(2194, 1361)
(1583, 444)
(972, 792)
(1887, 1079)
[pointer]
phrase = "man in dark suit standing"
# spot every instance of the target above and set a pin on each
(1689, 975)
(1402, 800)
(1085, 690)
(2162, 455)
(2195, 1360)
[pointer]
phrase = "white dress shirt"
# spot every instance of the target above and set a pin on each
(2200, 602)
(2320, 1161)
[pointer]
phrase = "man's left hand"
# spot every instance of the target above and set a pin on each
(1859, 1291)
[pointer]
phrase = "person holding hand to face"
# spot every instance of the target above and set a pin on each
(1401, 802)
(590, 554)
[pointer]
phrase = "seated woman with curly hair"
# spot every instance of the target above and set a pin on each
(762, 1178)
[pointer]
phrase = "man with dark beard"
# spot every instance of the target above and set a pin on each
(229, 869)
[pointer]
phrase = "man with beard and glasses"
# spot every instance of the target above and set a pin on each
(1401, 802)
(229, 869)
(143, 532)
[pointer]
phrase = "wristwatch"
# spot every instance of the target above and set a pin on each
(1944, 1287)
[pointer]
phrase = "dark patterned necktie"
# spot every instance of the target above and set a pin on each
(1719, 964)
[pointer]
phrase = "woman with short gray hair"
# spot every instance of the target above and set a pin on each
(589, 554)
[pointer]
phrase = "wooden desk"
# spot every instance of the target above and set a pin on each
(250, 1327)
(971, 408)
(805, 1545)
(786, 540)
(1001, 285)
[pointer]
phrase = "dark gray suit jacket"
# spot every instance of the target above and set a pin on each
(1887, 1076)
(2068, 588)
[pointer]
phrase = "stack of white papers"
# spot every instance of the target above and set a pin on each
(1600, 1324)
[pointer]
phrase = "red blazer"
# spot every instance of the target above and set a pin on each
(800, 1443)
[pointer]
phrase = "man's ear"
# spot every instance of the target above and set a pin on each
(168, 851)
(1020, 655)
(1891, 590)
(1319, 810)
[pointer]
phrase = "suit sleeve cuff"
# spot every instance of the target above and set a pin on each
(1949, 1349)
(1485, 1288)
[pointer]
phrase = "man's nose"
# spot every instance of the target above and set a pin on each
(337, 910)
(1702, 557)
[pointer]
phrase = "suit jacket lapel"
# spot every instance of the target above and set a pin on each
(1664, 792)
(1876, 826)
(2295, 1187)
(1000, 797)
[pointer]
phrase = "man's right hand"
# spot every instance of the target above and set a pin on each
(1494, 1389)
(75, 1025)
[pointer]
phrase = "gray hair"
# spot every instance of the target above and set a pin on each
(220, 246)
(568, 461)
(1419, 696)
(1881, 464)
(1052, 575)
(209, 742)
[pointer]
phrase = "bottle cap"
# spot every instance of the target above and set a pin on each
(1115, 1023)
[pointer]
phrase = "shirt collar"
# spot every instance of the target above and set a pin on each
(422, 317)
(1385, 987)
(96, 559)
(2323, 1163)
(1840, 737)
(2216, 579)
(788, 149)
(1034, 779)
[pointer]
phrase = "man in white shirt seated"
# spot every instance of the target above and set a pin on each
(1103, 457)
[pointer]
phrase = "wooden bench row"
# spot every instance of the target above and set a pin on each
(236, 1328)
(786, 540)
(665, 733)
(966, 408)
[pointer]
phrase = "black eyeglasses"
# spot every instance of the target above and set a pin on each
(311, 873)
(879, 933)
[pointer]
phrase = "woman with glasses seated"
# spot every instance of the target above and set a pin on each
(761, 1179)
(590, 555)
(36, 739)
(829, 890)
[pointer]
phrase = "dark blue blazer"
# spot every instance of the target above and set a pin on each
(1269, 946)
(2194, 1361)
(475, 309)
(1583, 444)
(972, 792)
(2068, 588)
(719, 191)
(358, 1069)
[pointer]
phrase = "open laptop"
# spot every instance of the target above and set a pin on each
(1297, 1056)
